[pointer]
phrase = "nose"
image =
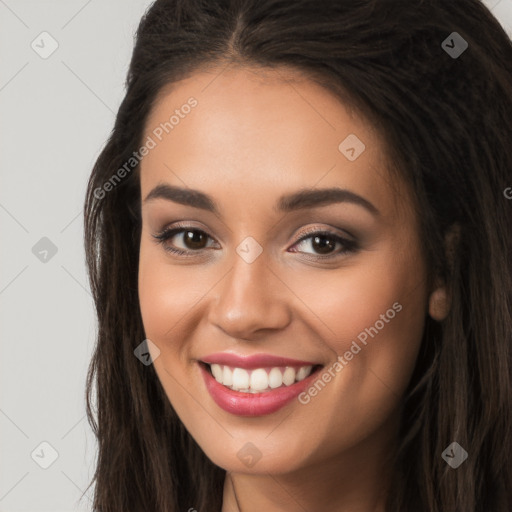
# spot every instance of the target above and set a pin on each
(250, 300)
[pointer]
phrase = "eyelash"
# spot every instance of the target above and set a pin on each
(349, 245)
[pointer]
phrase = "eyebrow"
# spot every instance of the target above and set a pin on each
(300, 200)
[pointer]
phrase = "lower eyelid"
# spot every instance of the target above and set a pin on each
(165, 236)
(347, 245)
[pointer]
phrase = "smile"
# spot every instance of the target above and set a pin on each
(258, 380)
(255, 385)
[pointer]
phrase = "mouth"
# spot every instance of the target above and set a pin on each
(256, 391)
(259, 380)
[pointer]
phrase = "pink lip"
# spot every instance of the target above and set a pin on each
(248, 404)
(253, 361)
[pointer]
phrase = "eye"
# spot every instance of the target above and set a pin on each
(192, 240)
(324, 243)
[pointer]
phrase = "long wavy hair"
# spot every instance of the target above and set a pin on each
(446, 121)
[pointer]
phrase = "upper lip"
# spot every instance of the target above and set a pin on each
(253, 361)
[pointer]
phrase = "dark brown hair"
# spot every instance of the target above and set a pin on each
(447, 125)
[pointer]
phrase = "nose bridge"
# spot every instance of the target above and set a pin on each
(249, 298)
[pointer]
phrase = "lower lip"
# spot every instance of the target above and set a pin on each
(249, 404)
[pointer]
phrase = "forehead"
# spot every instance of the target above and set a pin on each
(261, 130)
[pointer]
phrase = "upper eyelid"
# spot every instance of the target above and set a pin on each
(329, 231)
(306, 234)
(180, 229)
(349, 246)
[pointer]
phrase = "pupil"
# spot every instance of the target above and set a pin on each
(322, 244)
(193, 239)
(322, 248)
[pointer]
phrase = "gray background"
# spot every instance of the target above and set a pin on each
(56, 113)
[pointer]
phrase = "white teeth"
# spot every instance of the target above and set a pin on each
(240, 378)
(260, 379)
(227, 376)
(275, 378)
(303, 372)
(289, 376)
(217, 372)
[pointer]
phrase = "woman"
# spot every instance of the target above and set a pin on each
(297, 241)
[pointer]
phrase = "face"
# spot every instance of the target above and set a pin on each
(308, 309)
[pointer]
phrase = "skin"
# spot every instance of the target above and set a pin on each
(252, 137)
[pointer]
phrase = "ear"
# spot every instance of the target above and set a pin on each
(440, 301)
(439, 304)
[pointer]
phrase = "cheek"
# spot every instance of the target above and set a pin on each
(373, 316)
(374, 320)
(167, 294)
(165, 315)
(156, 298)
